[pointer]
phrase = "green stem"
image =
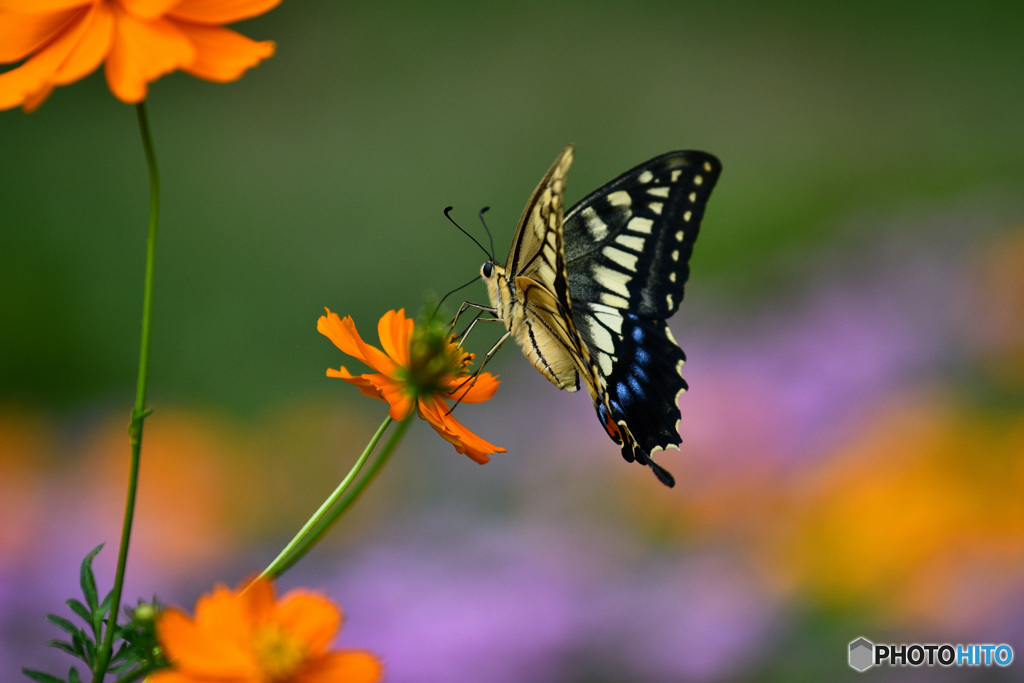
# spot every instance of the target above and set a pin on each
(314, 528)
(139, 412)
(345, 501)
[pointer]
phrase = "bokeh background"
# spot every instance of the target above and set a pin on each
(853, 437)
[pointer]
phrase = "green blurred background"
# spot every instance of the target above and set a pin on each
(853, 439)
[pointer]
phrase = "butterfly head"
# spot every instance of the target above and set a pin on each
(497, 288)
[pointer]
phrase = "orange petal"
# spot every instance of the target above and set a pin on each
(35, 99)
(331, 326)
(173, 676)
(198, 647)
(396, 394)
(223, 55)
(311, 618)
(342, 331)
(256, 599)
(394, 330)
(148, 9)
(21, 34)
(351, 666)
(221, 11)
(451, 430)
(477, 390)
(362, 382)
(142, 52)
(36, 74)
(40, 6)
(91, 48)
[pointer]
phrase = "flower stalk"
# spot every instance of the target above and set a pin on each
(139, 412)
(336, 503)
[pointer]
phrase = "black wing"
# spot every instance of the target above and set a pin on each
(627, 249)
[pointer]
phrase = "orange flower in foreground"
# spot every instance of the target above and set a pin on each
(418, 369)
(249, 637)
(140, 40)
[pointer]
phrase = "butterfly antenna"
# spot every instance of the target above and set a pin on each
(447, 209)
(486, 229)
(438, 308)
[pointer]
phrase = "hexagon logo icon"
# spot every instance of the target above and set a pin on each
(862, 653)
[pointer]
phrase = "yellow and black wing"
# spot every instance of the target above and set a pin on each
(627, 251)
(588, 294)
(534, 293)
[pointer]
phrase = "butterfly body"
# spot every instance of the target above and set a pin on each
(587, 293)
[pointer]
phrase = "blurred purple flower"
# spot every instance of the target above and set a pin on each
(450, 600)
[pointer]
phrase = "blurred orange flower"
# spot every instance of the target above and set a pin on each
(912, 513)
(140, 40)
(418, 369)
(249, 637)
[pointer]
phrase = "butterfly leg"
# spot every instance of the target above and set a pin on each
(477, 319)
(468, 384)
(469, 304)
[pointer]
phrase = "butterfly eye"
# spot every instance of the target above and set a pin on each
(487, 270)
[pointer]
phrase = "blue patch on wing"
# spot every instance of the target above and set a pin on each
(644, 383)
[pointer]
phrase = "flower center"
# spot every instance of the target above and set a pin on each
(433, 360)
(278, 652)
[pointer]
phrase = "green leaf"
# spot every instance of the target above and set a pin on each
(40, 676)
(73, 676)
(81, 610)
(90, 652)
(65, 647)
(65, 624)
(101, 613)
(87, 580)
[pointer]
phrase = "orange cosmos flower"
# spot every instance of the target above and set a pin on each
(140, 40)
(249, 637)
(418, 369)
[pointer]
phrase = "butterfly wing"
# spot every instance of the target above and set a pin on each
(627, 250)
(531, 293)
(588, 296)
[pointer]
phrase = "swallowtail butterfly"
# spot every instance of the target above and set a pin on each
(587, 296)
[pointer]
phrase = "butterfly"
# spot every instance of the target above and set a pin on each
(587, 294)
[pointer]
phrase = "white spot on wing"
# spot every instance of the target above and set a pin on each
(631, 242)
(627, 261)
(687, 216)
(698, 180)
(656, 207)
(609, 317)
(619, 198)
(679, 235)
(605, 361)
(602, 338)
(638, 224)
(646, 177)
(613, 280)
(658, 191)
(692, 197)
(707, 166)
(597, 227)
(668, 333)
(675, 174)
(672, 276)
(668, 299)
(675, 254)
(613, 301)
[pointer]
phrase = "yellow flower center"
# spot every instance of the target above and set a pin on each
(433, 359)
(278, 653)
